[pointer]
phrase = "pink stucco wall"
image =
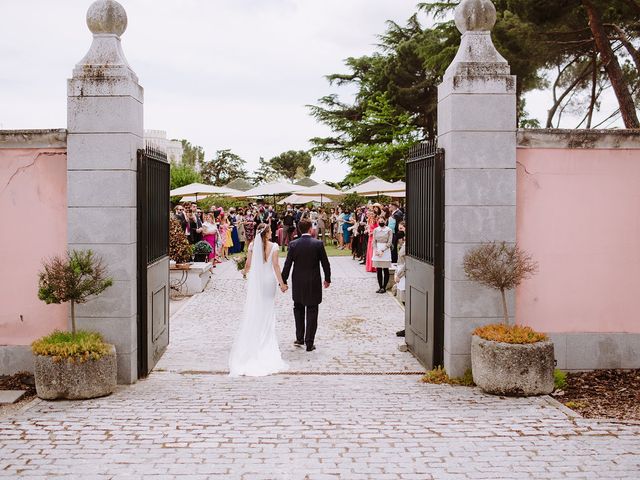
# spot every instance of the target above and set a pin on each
(578, 214)
(33, 202)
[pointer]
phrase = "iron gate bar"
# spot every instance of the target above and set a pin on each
(153, 210)
(425, 225)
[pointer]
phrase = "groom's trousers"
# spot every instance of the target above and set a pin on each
(310, 312)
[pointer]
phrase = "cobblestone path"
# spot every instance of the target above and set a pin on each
(187, 420)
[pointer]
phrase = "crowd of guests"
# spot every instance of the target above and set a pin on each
(373, 233)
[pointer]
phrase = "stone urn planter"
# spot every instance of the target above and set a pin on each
(512, 369)
(74, 379)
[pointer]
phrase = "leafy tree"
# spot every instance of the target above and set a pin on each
(192, 155)
(183, 174)
(292, 165)
(265, 172)
(72, 278)
(223, 168)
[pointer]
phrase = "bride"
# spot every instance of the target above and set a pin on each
(255, 350)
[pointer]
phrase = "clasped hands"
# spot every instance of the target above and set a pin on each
(284, 287)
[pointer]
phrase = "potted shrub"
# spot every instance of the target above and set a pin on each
(77, 364)
(201, 251)
(507, 359)
(179, 247)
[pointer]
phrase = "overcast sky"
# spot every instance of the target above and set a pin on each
(221, 73)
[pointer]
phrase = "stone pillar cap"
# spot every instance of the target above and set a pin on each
(107, 17)
(475, 16)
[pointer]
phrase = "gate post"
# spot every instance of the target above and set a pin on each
(105, 130)
(477, 129)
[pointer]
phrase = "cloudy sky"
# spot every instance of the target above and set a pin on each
(222, 73)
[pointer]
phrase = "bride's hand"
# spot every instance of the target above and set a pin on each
(284, 287)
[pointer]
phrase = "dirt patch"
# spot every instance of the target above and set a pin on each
(603, 394)
(19, 381)
(351, 326)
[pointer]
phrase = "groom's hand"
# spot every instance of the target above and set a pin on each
(326, 284)
(284, 287)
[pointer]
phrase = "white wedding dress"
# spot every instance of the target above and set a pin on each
(255, 351)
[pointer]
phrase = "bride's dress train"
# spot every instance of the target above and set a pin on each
(255, 350)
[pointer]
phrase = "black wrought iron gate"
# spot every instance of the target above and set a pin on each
(424, 303)
(153, 257)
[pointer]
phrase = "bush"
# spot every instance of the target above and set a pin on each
(73, 279)
(439, 376)
(509, 334)
(499, 266)
(202, 248)
(179, 247)
(81, 346)
(225, 202)
(559, 379)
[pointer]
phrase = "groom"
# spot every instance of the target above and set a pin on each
(306, 254)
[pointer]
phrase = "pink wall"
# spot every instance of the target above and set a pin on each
(578, 214)
(33, 202)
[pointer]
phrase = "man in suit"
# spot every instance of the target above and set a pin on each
(397, 216)
(306, 255)
(195, 225)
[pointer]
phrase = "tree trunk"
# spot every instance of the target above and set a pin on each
(594, 84)
(505, 310)
(612, 66)
(73, 318)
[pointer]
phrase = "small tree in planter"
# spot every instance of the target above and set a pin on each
(78, 364)
(507, 359)
(499, 266)
(179, 248)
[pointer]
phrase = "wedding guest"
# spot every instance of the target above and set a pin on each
(372, 224)
(233, 226)
(396, 217)
(401, 271)
(322, 225)
(288, 227)
(179, 215)
(383, 239)
(225, 236)
(272, 219)
(195, 225)
(249, 225)
(339, 228)
(210, 235)
(241, 231)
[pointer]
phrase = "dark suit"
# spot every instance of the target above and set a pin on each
(306, 255)
(194, 236)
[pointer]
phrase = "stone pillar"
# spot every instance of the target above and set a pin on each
(104, 122)
(477, 129)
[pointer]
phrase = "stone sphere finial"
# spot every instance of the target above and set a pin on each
(107, 17)
(475, 16)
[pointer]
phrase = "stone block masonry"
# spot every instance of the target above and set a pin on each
(105, 130)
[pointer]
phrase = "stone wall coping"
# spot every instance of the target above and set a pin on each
(579, 139)
(49, 138)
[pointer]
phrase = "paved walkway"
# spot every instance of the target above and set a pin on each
(189, 421)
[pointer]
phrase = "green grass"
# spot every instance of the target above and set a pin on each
(559, 379)
(439, 376)
(64, 345)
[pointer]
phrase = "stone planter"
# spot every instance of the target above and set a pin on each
(512, 369)
(75, 380)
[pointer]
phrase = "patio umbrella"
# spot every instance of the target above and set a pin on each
(296, 199)
(376, 187)
(271, 189)
(322, 190)
(198, 190)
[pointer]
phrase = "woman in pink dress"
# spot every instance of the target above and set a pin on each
(372, 223)
(210, 235)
